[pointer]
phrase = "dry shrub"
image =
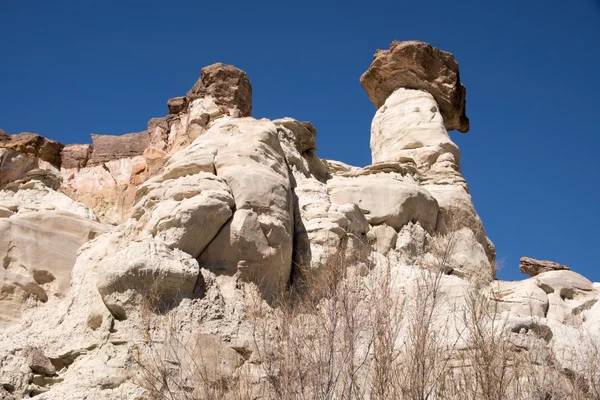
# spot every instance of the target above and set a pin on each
(343, 334)
(176, 362)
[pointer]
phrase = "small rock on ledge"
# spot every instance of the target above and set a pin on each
(533, 267)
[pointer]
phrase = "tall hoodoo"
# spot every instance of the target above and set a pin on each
(417, 90)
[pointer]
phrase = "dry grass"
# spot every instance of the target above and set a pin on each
(341, 335)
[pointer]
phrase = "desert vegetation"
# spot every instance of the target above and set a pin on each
(380, 331)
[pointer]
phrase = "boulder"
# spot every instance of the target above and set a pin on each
(418, 65)
(227, 85)
(533, 267)
(38, 362)
(146, 271)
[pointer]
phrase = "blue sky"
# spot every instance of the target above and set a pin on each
(72, 68)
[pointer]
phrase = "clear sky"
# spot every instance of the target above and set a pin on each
(72, 68)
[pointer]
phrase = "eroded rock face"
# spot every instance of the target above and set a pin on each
(42, 231)
(386, 200)
(257, 241)
(75, 156)
(409, 124)
(420, 66)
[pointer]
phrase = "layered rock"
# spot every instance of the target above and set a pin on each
(42, 231)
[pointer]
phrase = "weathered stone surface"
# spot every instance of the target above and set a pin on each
(33, 144)
(146, 270)
(412, 242)
(523, 298)
(386, 200)
(533, 267)
(569, 294)
(418, 65)
(15, 290)
(227, 85)
(409, 121)
(45, 244)
(257, 241)
(108, 188)
(37, 253)
(109, 147)
(177, 104)
(186, 212)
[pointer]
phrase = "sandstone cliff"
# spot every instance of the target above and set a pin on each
(210, 216)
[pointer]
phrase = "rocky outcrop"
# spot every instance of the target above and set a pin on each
(75, 156)
(184, 237)
(107, 148)
(177, 104)
(533, 267)
(420, 66)
(146, 271)
(227, 85)
(33, 144)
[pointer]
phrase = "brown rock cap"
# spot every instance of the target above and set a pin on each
(533, 267)
(34, 144)
(419, 65)
(228, 85)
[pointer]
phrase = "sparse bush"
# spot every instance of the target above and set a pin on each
(339, 334)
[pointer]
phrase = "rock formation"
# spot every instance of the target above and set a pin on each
(209, 208)
(533, 267)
